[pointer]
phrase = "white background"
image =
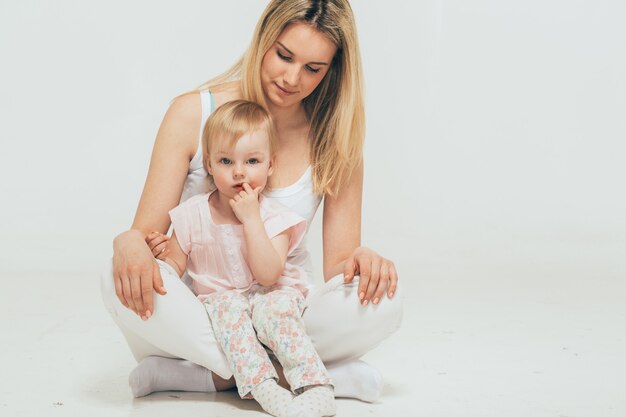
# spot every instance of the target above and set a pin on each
(495, 128)
(494, 178)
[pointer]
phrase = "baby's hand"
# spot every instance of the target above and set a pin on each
(158, 242)
(245, 205)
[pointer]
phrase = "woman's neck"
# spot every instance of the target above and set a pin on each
(287, 118)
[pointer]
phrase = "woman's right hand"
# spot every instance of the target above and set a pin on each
(135, 273)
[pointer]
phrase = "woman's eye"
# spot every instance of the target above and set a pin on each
(253, 161)
(311, 69)
(225, 161)
(283, 57)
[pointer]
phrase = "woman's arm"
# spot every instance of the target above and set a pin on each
(135, 271)
(341, 244)
(176, 144)
(341, 224)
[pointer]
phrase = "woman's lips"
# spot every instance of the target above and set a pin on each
(283, 91)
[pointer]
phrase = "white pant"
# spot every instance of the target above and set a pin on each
(338, 325)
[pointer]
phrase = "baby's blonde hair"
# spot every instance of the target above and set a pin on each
(231, 121)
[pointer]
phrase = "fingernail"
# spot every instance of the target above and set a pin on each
(163, 289)
(144, 318)
(375, 300)
(148, 314)
(364, 303)
(361, 296)
(391, 294)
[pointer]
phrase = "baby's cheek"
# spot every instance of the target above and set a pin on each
(258, 181)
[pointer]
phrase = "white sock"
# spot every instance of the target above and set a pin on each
(273, 398)
(156, 373)
(356, 379)
(317, 401)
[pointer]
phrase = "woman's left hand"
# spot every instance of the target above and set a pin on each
(377, 275)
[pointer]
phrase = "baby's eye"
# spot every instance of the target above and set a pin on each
(253, 161)
(225, 161)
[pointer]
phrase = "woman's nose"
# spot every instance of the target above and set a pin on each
(292, 76)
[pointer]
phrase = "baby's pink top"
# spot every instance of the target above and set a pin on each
(217, 252)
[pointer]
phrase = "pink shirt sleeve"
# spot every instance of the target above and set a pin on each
(181, 224)
(278, 219)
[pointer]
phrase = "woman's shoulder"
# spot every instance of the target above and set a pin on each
(189, 105)
(181, 123)
(186, 106)
(225, 92)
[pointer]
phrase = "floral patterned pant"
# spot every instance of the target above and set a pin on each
(276, 315)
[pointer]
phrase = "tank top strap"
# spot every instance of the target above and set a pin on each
(197, 181)
(207, 104)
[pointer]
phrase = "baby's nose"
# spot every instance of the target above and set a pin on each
(239, 171)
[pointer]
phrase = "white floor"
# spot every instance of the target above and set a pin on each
(517, 340)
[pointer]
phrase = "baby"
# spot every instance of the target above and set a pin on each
(234, 243)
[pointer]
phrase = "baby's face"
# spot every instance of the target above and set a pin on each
(249, 161)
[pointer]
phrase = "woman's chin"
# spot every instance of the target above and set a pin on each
(283, 102)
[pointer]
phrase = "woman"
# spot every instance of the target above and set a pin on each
(303, 65)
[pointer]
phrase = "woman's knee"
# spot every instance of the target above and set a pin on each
(341, 328)
(345, 295)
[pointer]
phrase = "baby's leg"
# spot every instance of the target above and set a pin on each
(251, 366)
(230, 315)
(276, 314)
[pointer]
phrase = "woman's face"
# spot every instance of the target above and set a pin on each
(295, 64)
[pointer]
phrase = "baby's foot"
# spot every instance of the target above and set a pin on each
(273, 398)
(315, 401)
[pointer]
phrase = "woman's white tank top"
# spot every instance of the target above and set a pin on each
(299, 196)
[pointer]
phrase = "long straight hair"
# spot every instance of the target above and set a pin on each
(335, 108)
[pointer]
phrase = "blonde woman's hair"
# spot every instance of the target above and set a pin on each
(229, 122)
(335, 108)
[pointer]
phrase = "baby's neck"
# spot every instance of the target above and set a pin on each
(221, 212)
